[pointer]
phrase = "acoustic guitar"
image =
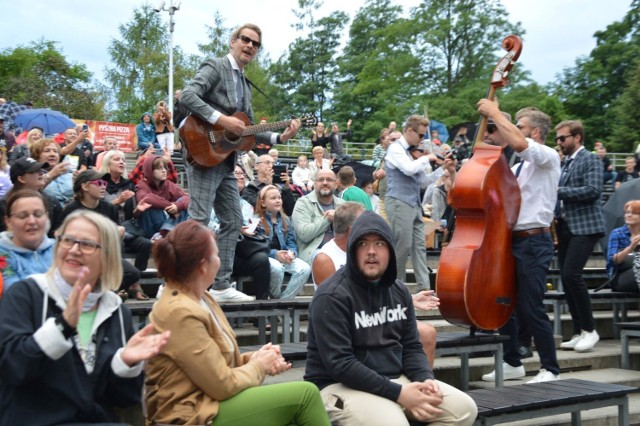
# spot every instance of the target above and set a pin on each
(209, 144)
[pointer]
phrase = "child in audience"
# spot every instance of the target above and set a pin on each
(283, 255)
(161, 203)
(301, 175)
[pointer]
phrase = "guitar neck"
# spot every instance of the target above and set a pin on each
(266, 127)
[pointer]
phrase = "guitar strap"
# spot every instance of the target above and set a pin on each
(257, 88)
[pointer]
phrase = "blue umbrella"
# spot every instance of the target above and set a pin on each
(51, 122)
(443, 133)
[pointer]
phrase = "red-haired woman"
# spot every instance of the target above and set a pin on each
(200, 377)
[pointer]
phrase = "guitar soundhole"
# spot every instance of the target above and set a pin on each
(232, 138)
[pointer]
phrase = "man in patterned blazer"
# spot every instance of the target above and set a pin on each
(219, 90)
(580, 224)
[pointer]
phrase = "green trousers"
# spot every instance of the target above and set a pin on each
(274, 405)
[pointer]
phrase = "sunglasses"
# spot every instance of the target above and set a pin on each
(563, 137)
(99, 183)
(491, 128)
(247, 40)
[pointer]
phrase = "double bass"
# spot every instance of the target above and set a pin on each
(476, 279)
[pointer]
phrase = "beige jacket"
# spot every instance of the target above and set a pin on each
(199, 366)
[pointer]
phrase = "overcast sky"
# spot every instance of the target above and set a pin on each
(557, 31)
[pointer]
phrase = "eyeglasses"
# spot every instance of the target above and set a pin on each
(239, 174)
(86, 246)
(247, 40)
(563, 137)
(25, 215)
(99, 183)
(328, 180)
(491, 128)
(265, 162)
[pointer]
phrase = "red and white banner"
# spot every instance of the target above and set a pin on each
(124, 133)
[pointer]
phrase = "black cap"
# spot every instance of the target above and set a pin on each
(87, 176)
(25, 165)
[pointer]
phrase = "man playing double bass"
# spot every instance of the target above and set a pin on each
(218, 90)
(537, 174)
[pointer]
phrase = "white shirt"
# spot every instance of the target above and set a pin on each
(399, 158)
(538, 181)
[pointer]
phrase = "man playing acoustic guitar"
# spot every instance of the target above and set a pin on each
(219, 90)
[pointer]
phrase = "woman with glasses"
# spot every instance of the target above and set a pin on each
(25, 248)
(59, 180)
(68, 352)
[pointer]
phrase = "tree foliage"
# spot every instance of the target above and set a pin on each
(598, 83)
(40, 73)
(140, 66)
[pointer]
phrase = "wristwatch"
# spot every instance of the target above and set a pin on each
(64, 327)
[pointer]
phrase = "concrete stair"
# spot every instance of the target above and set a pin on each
(601, 365)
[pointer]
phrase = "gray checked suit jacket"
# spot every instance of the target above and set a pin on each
(580, 194)
(213, 88)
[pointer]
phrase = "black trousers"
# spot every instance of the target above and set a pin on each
(257, 266)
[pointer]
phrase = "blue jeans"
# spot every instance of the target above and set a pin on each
(533, 257)
(155, 220)
(299, 270)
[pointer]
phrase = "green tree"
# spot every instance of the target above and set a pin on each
(41, 73)
(376, 71)
(305, 76)
(626, 130)
(140, 68)
(592, 87)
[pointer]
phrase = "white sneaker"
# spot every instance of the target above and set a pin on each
(570, 344)
(587, 341)
(508, 373)
(544, 376)
(230, 295)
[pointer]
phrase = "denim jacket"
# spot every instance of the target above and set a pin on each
(287, 242)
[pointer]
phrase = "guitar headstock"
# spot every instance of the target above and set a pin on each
(308, 120)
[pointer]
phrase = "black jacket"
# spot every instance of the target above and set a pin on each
(36, 389)
(363, 334)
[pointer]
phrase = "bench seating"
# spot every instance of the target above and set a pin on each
(288, 311)
(523, 402)
(627, 330)
(618, 300)
(446, 344)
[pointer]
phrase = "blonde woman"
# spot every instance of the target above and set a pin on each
(22, 150)
(68, 344)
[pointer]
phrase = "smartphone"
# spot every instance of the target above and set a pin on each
(73, 161)
(277, 171)
(159, 151)
(85, 127)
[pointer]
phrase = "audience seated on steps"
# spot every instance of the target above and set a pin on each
(283, 254)
(161, 203)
